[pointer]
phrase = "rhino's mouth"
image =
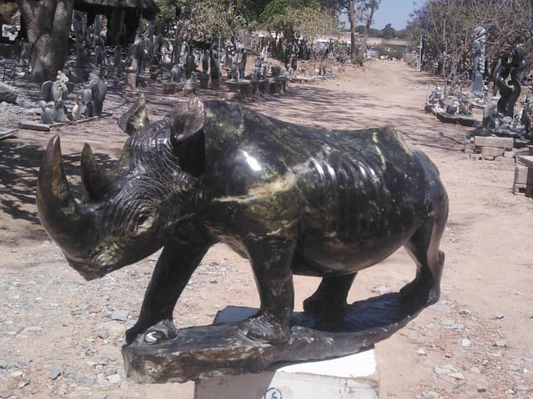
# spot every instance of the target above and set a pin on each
(87, 269)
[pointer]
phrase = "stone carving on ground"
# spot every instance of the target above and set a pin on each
(217, 172)
(500, 116)
(57, 93)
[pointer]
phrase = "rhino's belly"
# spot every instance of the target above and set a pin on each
(323, 256)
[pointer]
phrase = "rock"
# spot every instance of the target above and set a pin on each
(475, 370)
(8, 93)
(120, 315)
(421, 352)
(522, 388)
(457, 376)
(70, 369)
(55, 373)
(101, 396)
(501, 343)
(114, 379)
(103, 334)
(465, 342)
(6, 394)
(497, 316)
(430, 395)
(445, 370)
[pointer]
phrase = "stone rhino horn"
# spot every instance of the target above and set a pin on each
(95, 183)
(67, 223)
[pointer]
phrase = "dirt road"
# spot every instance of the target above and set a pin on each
(61, 336)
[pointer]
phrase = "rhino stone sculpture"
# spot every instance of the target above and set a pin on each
(291, 199)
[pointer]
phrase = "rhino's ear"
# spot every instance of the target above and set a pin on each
(187, 135)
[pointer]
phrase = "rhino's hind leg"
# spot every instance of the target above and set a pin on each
(423, 247)
(329, 300)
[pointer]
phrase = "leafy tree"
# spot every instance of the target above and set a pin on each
(388, 32)
(447, 28)
(360, 10)
(48, 28)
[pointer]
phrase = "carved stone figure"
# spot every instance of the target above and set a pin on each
(234, 70)
(205, 62)
(511, 64)
(175, 73)
(117, 60)
(98, 89)
(291, 199)
(257, 68)
(215, 60)
(57, 92)
(478, 55)
(47, 112)
(136, 54)
(87, 105)
(231, 50)
(242, 63)
(190, 64)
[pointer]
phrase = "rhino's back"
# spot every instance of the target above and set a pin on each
(358, 189)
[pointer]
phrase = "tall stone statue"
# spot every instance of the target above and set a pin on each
(231, 50)
(215, 60)
(136, 54)
(190, 64)
(510, 65)
(242, 63)
(478, 55)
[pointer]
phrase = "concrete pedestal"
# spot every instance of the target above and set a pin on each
(348, 377)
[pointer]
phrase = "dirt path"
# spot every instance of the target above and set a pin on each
(60, 336)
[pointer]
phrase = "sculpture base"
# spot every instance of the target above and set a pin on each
(222, 349)
(348, 377)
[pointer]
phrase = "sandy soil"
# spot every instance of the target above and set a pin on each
(61, 336)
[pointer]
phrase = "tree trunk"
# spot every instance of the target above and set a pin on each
(353, 18)
(373, 5)
(48, 26)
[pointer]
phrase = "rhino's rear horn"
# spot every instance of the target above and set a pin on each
(94, 182)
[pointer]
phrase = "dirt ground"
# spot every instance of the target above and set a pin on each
(60, 336)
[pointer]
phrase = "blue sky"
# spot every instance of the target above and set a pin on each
(395, 12)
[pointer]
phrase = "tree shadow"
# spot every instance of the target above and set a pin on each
(19, 168)
(317, 106)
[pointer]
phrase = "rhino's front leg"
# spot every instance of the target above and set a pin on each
(271, 260)
(172, 272)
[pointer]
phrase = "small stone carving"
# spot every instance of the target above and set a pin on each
(218, 172)
(57, 92)
(175, 73)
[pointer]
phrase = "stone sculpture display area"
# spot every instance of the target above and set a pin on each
(500, 115)
(292, 199)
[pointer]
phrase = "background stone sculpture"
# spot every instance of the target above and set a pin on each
(478, 55)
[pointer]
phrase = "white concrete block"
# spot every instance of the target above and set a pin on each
(349, 377)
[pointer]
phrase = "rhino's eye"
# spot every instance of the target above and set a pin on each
(143, 222)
